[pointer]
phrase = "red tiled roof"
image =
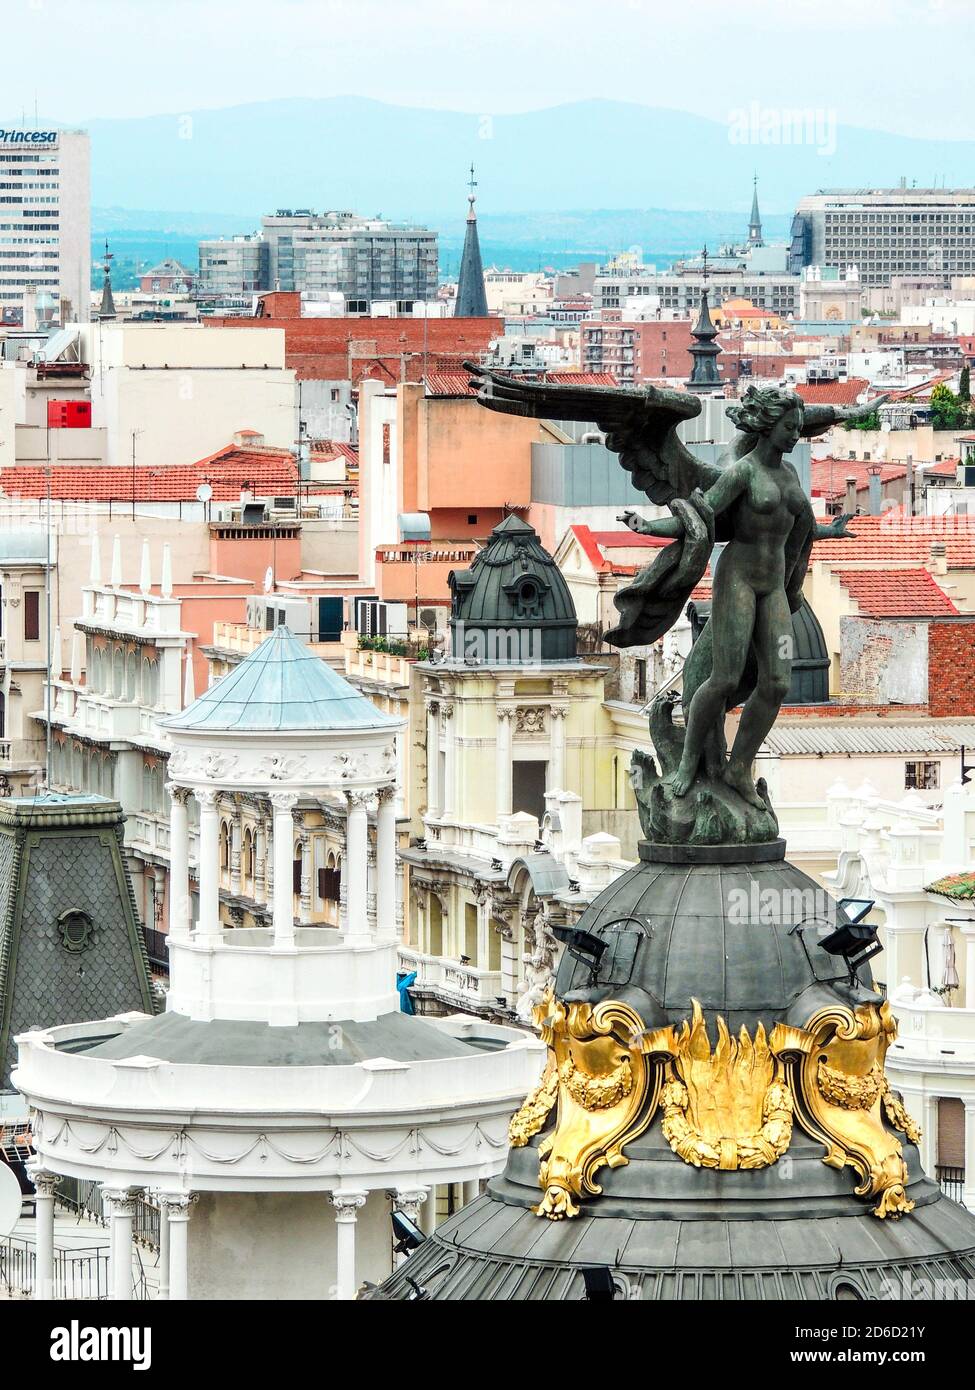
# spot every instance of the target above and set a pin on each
(833, 392)
(923, 388)
(828, 476)
(900, 538)
(326, 449)
(266, 472)
(946, 468)
(896, 593)
(593, 544)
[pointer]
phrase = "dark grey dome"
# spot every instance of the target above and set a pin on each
(743, 939)
(513, 604)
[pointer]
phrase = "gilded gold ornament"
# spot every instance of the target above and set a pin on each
(842, 1096)
(606, 1088)
(725, 1109)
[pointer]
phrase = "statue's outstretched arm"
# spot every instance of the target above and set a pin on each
(816, 419)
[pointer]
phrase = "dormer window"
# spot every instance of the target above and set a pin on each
(528, 601)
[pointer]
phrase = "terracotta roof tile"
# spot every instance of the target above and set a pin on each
(828, 476)
(897, 537)
(833, 392)
(896, 593)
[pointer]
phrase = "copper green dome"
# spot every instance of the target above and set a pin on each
(513, 606)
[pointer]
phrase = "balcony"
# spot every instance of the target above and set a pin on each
(464, 986)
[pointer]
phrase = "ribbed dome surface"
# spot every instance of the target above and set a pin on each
(281, 686)
(514, 588)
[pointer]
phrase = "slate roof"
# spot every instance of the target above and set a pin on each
(281, 686)
(872, 735)
(56, 858)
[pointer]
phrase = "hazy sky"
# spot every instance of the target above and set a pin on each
(899, 65)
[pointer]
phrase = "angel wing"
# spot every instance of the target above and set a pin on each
(640, 424)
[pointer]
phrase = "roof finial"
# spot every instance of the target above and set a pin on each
(472, 196)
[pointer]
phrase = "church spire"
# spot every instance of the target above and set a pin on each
(471, 298)
(755, 221)
(704, 351)
(106, 310)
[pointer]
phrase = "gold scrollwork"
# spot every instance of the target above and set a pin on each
(729, 1108)
(606, 1088)
(842, 1096)
(534, 1111)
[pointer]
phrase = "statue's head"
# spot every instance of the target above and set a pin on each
(769, 411)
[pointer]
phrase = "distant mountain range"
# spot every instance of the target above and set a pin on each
(350, 152)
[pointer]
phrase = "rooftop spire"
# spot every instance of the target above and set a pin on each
(704, 352)
(755, 221)
(106, 310)
(471, 298)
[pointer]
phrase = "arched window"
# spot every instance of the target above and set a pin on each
(131, 676)
(224, 847)
(118, 674)
(247, 860)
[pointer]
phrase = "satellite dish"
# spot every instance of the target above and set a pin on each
(204, 492)
(11, 1199)
(268, 580)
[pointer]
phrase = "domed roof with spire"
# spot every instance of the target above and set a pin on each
(281, 686)
(513, 604)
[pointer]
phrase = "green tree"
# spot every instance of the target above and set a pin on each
(965, 385)
(947, 411)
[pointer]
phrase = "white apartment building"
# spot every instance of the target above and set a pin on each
(45, 224)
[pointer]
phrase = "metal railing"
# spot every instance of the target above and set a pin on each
(78, 1274)
(951, 1181)
(157, 949)
(85, 1198)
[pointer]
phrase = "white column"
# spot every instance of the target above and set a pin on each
(122, 1205)
(928, 1121)
(283, 893)
(472, 1190)
(163, 1247)
(386, 862)
(260, 854)
(449, 796)
(556, 771)
(968, 1194)
(179, 861)
(177, 1207)
(235, 849)
(209, 866)
(45, 1184)
(347, 1205)
(428, 1213)
(410, 1202)
(503, 784)
(433, 758)
(355, 862)
(304, 854)
(483, 927)
(968, 935)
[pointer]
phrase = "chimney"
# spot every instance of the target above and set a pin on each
(874, 489)
(938, 563)
(851, 496)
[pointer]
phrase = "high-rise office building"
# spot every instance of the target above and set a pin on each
(887, 231)
(323, 254)
(45, 225)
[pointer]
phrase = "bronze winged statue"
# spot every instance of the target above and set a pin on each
(752, 501)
